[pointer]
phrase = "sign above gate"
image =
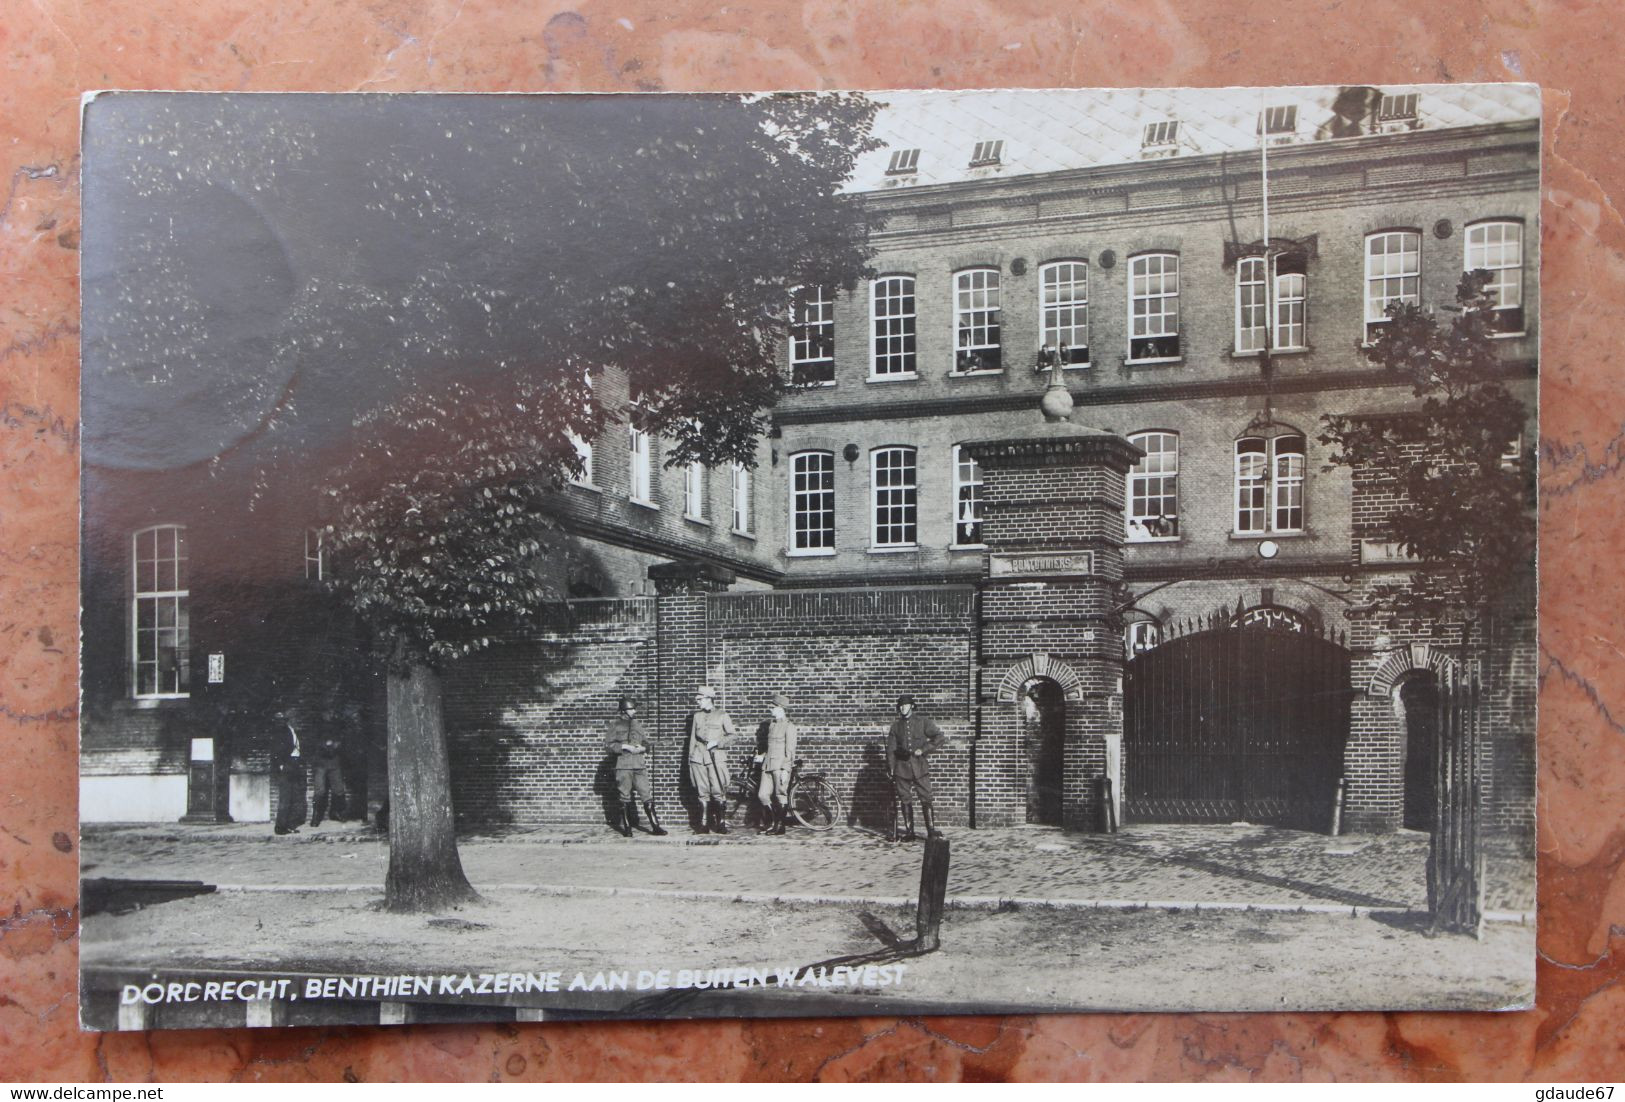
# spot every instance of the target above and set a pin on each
(1031, 563)
(1269, 616)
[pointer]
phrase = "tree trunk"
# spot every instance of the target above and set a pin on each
(425, 873)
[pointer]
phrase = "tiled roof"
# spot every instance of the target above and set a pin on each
(1047, 130)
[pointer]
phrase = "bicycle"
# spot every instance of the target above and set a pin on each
(811, 800)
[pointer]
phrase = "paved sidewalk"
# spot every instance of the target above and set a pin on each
(1220, 866)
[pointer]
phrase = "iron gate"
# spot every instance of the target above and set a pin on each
(1231, 723)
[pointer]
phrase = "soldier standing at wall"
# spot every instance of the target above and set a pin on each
(288, 764)
(327, 780)
(627, 739)
(709, 731)
(778, 754)
(911, 739)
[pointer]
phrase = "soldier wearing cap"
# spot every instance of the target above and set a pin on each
(912, 738)
(626, 738)
(709, 733)
(777, 741)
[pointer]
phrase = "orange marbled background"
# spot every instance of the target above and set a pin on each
(54, 49)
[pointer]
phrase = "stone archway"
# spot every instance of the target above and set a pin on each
(1417, 656)
(1039, 665)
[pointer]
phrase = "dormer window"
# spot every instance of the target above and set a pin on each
(1397, 108)
(1278, 120)
(904, 162)
(1161, 135)
(987, 153)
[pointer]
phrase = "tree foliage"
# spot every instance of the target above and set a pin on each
(1465, 491)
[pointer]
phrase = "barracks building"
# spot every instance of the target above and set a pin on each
(1143, 610)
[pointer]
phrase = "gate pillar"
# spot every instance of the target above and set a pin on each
(1052, 519)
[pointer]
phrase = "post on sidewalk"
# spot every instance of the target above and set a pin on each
(933, 894)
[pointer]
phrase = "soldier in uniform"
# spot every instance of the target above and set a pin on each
(709, 733)
(911, 739)
(778, 745)
(288, 764)
(626, 738)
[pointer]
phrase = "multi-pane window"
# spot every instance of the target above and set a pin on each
(1063, 323)
(1497, 247)
(893, 312)
(967, 499)
(1393, 273)
(161, 647)
(639, 474)
(812, 336)
(583, 448)
(895, 493)
(1269, 484)
(694, 491)
(1393, 108)
(1153, 487)
(812, 501)
(314, 560)
(1252, 305)
(976, 320)
(739, 482)
(987, 153)
(1154, 307)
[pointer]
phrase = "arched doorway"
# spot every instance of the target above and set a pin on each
(1419, 703)
(1043, 735)
(1244, 718)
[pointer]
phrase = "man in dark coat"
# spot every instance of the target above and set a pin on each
(912, 738)
(288, 767)
(627, 740)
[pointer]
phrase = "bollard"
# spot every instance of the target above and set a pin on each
(1107, 804)
(933, 894)
(1337, 808)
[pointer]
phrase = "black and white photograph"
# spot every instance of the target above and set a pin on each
(658, 556)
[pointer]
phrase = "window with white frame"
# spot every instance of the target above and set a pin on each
(1154, 307)
(160, 650)
(892, 300)
(583, 448)
(976, 321)
(1270, 484)
(904, 162)
(967, 499)
(1153, 488)
(694, 491)
(640, 481)
(895, 492)
(987, 153)
(740, 483)
(1497, 247)
(812, 502)
(1397, 107)
(1140, 636)
(812, 336)
(1163, 135)
(1278, 120)
(1063, 321)
(314, 560)
(1252, 303)
(1393, 273)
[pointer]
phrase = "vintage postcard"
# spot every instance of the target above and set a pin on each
(663, 556)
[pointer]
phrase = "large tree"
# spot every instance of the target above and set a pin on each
(1463, 488)
(677, 232)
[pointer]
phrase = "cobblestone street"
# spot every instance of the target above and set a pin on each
(1225, 865)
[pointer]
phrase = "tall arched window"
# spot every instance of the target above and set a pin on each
(977, 310)
(1393, 273)
(160, 651)
(892, 308)
(1270, 476)
(1497, 247)
(1153, 487)
(894, 488)
(812, 503)
(1063, 319)
(1252, 304)
(967, 499)
(812, 336)
(1153, 307)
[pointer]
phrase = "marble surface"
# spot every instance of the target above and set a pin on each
(52, 50)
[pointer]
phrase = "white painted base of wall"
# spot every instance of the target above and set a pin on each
(143, 798)
(250, 798)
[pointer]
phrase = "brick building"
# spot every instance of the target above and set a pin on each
(1119, 237)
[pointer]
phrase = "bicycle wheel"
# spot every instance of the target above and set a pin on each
(814, 803)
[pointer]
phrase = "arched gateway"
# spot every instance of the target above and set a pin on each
(1244, 718)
